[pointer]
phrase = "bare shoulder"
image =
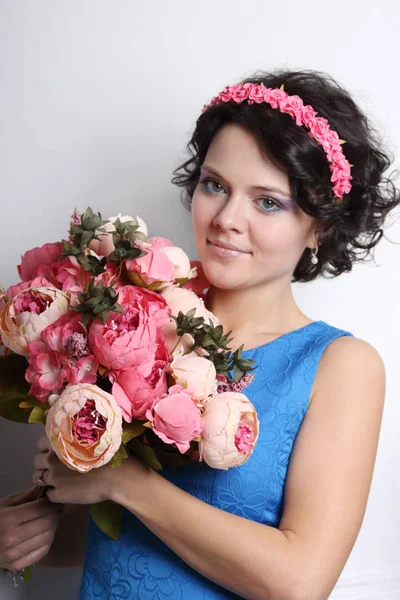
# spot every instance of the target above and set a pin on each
(350, 362)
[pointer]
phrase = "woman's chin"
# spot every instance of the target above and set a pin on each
(223, 277)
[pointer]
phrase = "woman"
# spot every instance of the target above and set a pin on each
(276, 197)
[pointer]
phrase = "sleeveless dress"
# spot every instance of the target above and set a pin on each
(139, 566)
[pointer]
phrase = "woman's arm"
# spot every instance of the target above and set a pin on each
(325, 494)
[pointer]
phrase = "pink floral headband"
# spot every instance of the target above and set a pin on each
(303, 115)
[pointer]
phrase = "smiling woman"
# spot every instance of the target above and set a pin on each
(244, 211)
(349, 227)
(274, 199)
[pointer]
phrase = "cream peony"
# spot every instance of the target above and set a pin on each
(230, 431)
(28, 313)
(196, 374)
(84, 426)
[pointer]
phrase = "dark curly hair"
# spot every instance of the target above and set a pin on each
(347, 232)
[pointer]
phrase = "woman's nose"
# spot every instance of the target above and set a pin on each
(232, 215)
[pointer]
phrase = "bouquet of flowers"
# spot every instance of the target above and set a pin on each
(108, 343)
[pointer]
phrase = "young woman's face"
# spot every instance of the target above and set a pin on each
(248, 229)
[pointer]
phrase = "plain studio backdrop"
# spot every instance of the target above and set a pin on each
(97, 103)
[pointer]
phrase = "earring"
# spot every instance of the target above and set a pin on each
(314, 257)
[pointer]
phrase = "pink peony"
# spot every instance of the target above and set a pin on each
(137, 389)
(84, 427)
(180, 261)
(160, 242)
(154, 270)
(68, 275)
(230, 431)
(129, 339)
(62, 355)
(28, 313)
(176, 419)
(38, 257)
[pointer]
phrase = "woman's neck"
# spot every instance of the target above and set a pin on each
(256, 316)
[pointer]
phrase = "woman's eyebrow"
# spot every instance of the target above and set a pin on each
(254, 187)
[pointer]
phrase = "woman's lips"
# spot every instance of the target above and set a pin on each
(221, 250)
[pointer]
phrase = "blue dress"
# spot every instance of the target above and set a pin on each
(139, 565)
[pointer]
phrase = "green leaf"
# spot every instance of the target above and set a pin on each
(218, 333)
(91, 221)
(140, 236)
(181, 281)
(93, 301)
(113, 257)
(117, 308)
(85, 318)
(132, 430)
(38, 415)
(69, 249)
(105, 315)
(237, 373)
(146, 453)
(27, 574)
(120, 455)
(86, 238)
(97, 267)
(108, 517)
(156, 286)
(135, 278)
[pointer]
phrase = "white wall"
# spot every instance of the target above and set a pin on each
(97, 100)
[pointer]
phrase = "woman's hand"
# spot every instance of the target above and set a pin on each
(27, 529)
(69, 487)
(72, 487)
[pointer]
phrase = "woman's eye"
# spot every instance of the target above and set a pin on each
(268, 205)
(212, 186)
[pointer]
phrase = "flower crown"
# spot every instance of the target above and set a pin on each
(303, 115)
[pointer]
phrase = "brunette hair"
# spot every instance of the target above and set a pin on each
(348, 232)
